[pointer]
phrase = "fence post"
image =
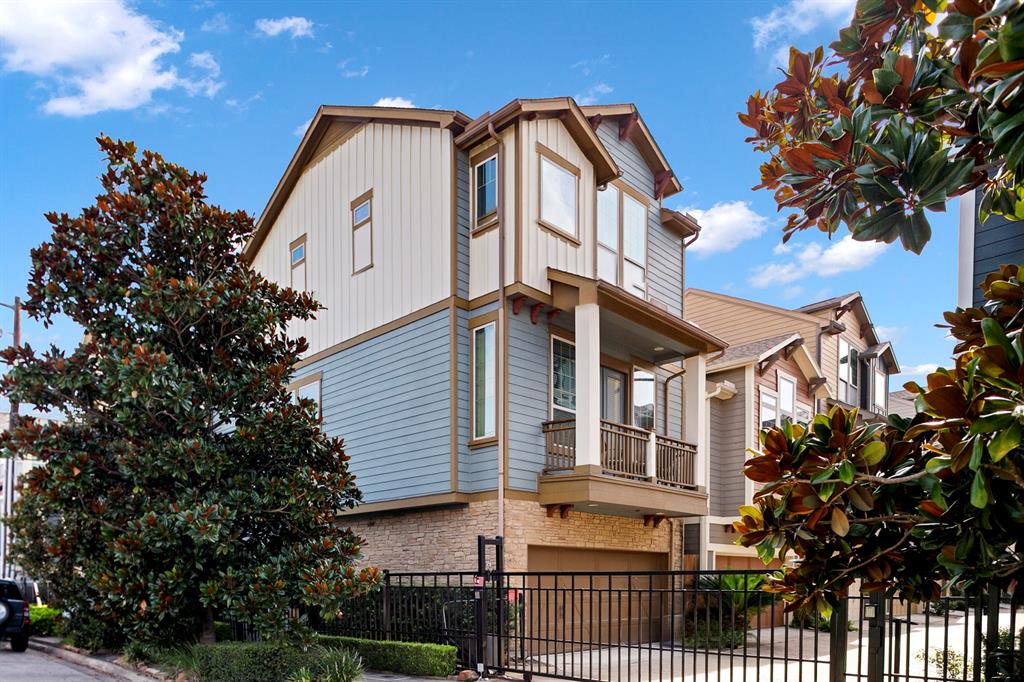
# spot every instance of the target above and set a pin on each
(838, 640)
(876, 636)
(478, 598)
(386, 598)
(992, 634)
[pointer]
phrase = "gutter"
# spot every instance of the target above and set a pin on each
(499, 388)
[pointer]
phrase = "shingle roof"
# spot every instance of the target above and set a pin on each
(833, 302)
(749, 351)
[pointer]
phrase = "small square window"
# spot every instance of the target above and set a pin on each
(298, 254)
(297, 261)
(361, 213)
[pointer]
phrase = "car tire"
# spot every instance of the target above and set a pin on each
(19, 643)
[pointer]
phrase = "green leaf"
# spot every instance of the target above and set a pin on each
(937, 464)
(979, 495)
(885, 81)
(873, 452)
(823, 475)
(847, 471)
(825, 491)
(1004, 442)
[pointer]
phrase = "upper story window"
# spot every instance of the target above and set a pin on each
(643, 399)
(485, 184)
(769, 409)
(881, 392)
(563, 378)
(787, 397)
(308, 388)
(297, 261)
(849, 371)
(559, 193)
(484, 398)
(622, 238)
(362, 232)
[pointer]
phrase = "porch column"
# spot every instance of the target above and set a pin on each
(588, 384)
(695, 413)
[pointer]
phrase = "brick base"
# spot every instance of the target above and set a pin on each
(445, 539)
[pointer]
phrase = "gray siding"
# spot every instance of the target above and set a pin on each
(527, 398)
(997, 241)
(728, 447)
(403, 373)
(674, 410)
(664, 249)
(462, 224)
(478, 467)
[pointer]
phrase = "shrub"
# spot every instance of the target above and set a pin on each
(815, 621)
(409, 658)
(710, 635)
(338, 665)
(46, 621)
(249, 661)
(170, 659)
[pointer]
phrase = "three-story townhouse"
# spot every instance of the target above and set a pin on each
(502, 344)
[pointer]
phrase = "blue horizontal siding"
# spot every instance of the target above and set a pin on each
(527, 398)
(390, 399)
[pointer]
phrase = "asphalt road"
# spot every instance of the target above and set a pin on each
(33, 666)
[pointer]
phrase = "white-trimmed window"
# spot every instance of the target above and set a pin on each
(787, 397)
(362, 232)
(485, 190)
(849, 371)
(643, 399)
(881, 391)
(622, 239)
(559, 193)
(308, 388)
(563, 378)
(484, 398)
(297, 261)
(769, 409)
(803, 414)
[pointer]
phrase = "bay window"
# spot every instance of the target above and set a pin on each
(482, 385)
(559, 193)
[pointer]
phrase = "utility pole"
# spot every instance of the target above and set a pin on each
(9, 477)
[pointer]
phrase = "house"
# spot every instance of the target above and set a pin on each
(503, 346)
(781, 364)
(901, 402)
(984, 246)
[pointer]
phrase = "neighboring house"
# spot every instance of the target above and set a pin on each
(983, 248)
(901, 402)
(781, 364)
(503, 346)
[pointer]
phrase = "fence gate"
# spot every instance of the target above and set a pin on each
(699, 626)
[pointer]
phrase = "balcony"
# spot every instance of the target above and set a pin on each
(640, 473)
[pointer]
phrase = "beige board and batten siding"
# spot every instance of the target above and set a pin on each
(541, 248)
(483, 247)
(408, 167)
(738, 321)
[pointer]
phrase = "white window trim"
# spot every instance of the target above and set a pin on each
(551, 376)
(315, 378)
(491, 217)
(625, 192)
(761, 392)
(781, 376)
(473, 436)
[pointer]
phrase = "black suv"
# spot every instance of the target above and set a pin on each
(14, 618)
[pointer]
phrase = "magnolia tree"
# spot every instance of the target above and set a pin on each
(912, 504)
(927, 104)
(182, 481)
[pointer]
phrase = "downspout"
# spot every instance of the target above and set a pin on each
(669, 378)
(500, 345)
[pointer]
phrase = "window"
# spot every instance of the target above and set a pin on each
(362, 232)
(484, 377)
(643, 399)
(787, 397)
(849, 369)
(485, 196)
(622, 239)
(559, 181)
(563, 379)
(769, 410)
(297, 259)
(803, 414)
(881, 391)
(307, 388)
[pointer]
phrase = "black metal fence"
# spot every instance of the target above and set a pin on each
(694, 625)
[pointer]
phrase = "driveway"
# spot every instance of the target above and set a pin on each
(34, 666)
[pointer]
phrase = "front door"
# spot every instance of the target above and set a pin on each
(613, 395)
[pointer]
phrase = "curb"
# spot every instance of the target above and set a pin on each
(95, 664)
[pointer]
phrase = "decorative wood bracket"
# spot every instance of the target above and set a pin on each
(595, 121)
(661, 183)
(535, 311)
(653, 520)
(626, 126)
(562, 510)
(517, 304)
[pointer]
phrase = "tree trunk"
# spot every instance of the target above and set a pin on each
(207, 633)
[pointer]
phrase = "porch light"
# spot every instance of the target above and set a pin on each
(658, 349)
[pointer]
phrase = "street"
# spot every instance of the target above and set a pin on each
(33, 666)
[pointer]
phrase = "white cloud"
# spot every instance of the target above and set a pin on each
(918, 370)
(845, 255)
(218, 23)
(208, 84)
(890, 333)
(296, 27)
(241, 105)
(592, 94)
(586, 66)
(798, 17)
(301, 130)
(93, 57)
(399, 102)
(353, 71)
(782, 248)
(725, 226)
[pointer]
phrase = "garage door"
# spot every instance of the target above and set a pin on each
(573, 612)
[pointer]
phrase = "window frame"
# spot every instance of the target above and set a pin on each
(551, 374)
(304, 262)
(884, 376)
(781, 376)
(364, 198)
(314, 377)
(476, 326)
(764, 391)
(632, 396)
(625, 192)
(544, 153)
(484, 223)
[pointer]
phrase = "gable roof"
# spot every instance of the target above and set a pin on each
(830, 303)
(563, 108)
(310, 144)
(631, 122)
(854, 302)
(762, 350)
(785, 312)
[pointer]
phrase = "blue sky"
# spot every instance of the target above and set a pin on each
(227, 87)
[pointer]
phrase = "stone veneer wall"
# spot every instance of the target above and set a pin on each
(445, 539)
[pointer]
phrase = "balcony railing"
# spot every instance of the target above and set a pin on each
(626, 452)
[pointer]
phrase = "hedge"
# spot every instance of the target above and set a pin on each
(408, 658)
(46, 621)
(249, 661)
